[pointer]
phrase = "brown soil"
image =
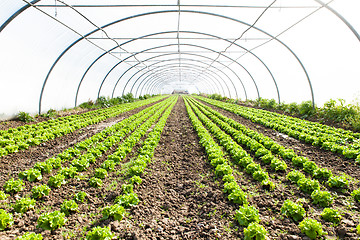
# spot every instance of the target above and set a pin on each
(269, 204)
(12, 164)
(180, 198)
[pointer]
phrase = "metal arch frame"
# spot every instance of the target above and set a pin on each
(166, 72)
(204, 89)
(149, 78)
(166, 67)
(168, 60)
(191, 45)
(166, 54)
(170, 45)
(17, 13)
(170, 11)
(173, 59)
(169, 71)
(162, 82)
(333, 11)
(167, 32)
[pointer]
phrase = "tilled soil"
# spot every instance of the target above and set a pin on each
(269, 203)
(180, 197)
(336, 162)
(12, 164)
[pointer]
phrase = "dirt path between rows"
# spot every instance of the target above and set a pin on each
(180, 198)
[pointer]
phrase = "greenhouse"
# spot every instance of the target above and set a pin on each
(179, 119)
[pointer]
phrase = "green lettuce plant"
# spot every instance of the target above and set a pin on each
(40, 191)
(293, 210)
(247, 214)
(311, 228)
(24, 204)
(51, 220)
(6, 219)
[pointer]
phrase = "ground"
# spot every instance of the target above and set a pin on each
(180, 197)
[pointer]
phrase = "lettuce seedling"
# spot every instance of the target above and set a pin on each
(24, 204)
(293, 210)
(238, 196)
(356, 194)
(95, 182)
(331, 215)
(51, 220)
(31, 175)
(294, 176)
(311, 228)
(278, 165)
(44, 167)
(12, 185)
(323, 198)
(40, 191)
(255, 231)
(68, 172)
(6, 219)
(115, 211)
(3, 196)
(338, 182)
(56, 181)
(100, 233)
(69, 206)
(246, 215)
(108, 165)
(252, 167)
(100, 173)
(30, 236)
(310, 167)
(260, 175)
(307, 185)
(127, 200)
(223, 169)
(229, 187)
(80, 196)
(135, 180)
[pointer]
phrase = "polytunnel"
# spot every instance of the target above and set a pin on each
(58, 54)
(179, 119)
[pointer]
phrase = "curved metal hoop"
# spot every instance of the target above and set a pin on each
(191, 32)
(171, 11)
(182, 64)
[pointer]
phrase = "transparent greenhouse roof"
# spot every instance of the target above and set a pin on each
(60, 53)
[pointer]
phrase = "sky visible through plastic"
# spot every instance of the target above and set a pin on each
(240, 49)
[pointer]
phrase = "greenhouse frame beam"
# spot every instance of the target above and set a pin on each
(171, 5)
(346, 22)
(170, 11)
(198, 55)
(16, 14)
(167, 72)
(164, 74)
(191, 32)
(174, 59)
(191, 45)
(184, 66)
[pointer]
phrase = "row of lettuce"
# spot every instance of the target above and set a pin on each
(21, 138)
(319, 184)
(76, 160)
(337, 140)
